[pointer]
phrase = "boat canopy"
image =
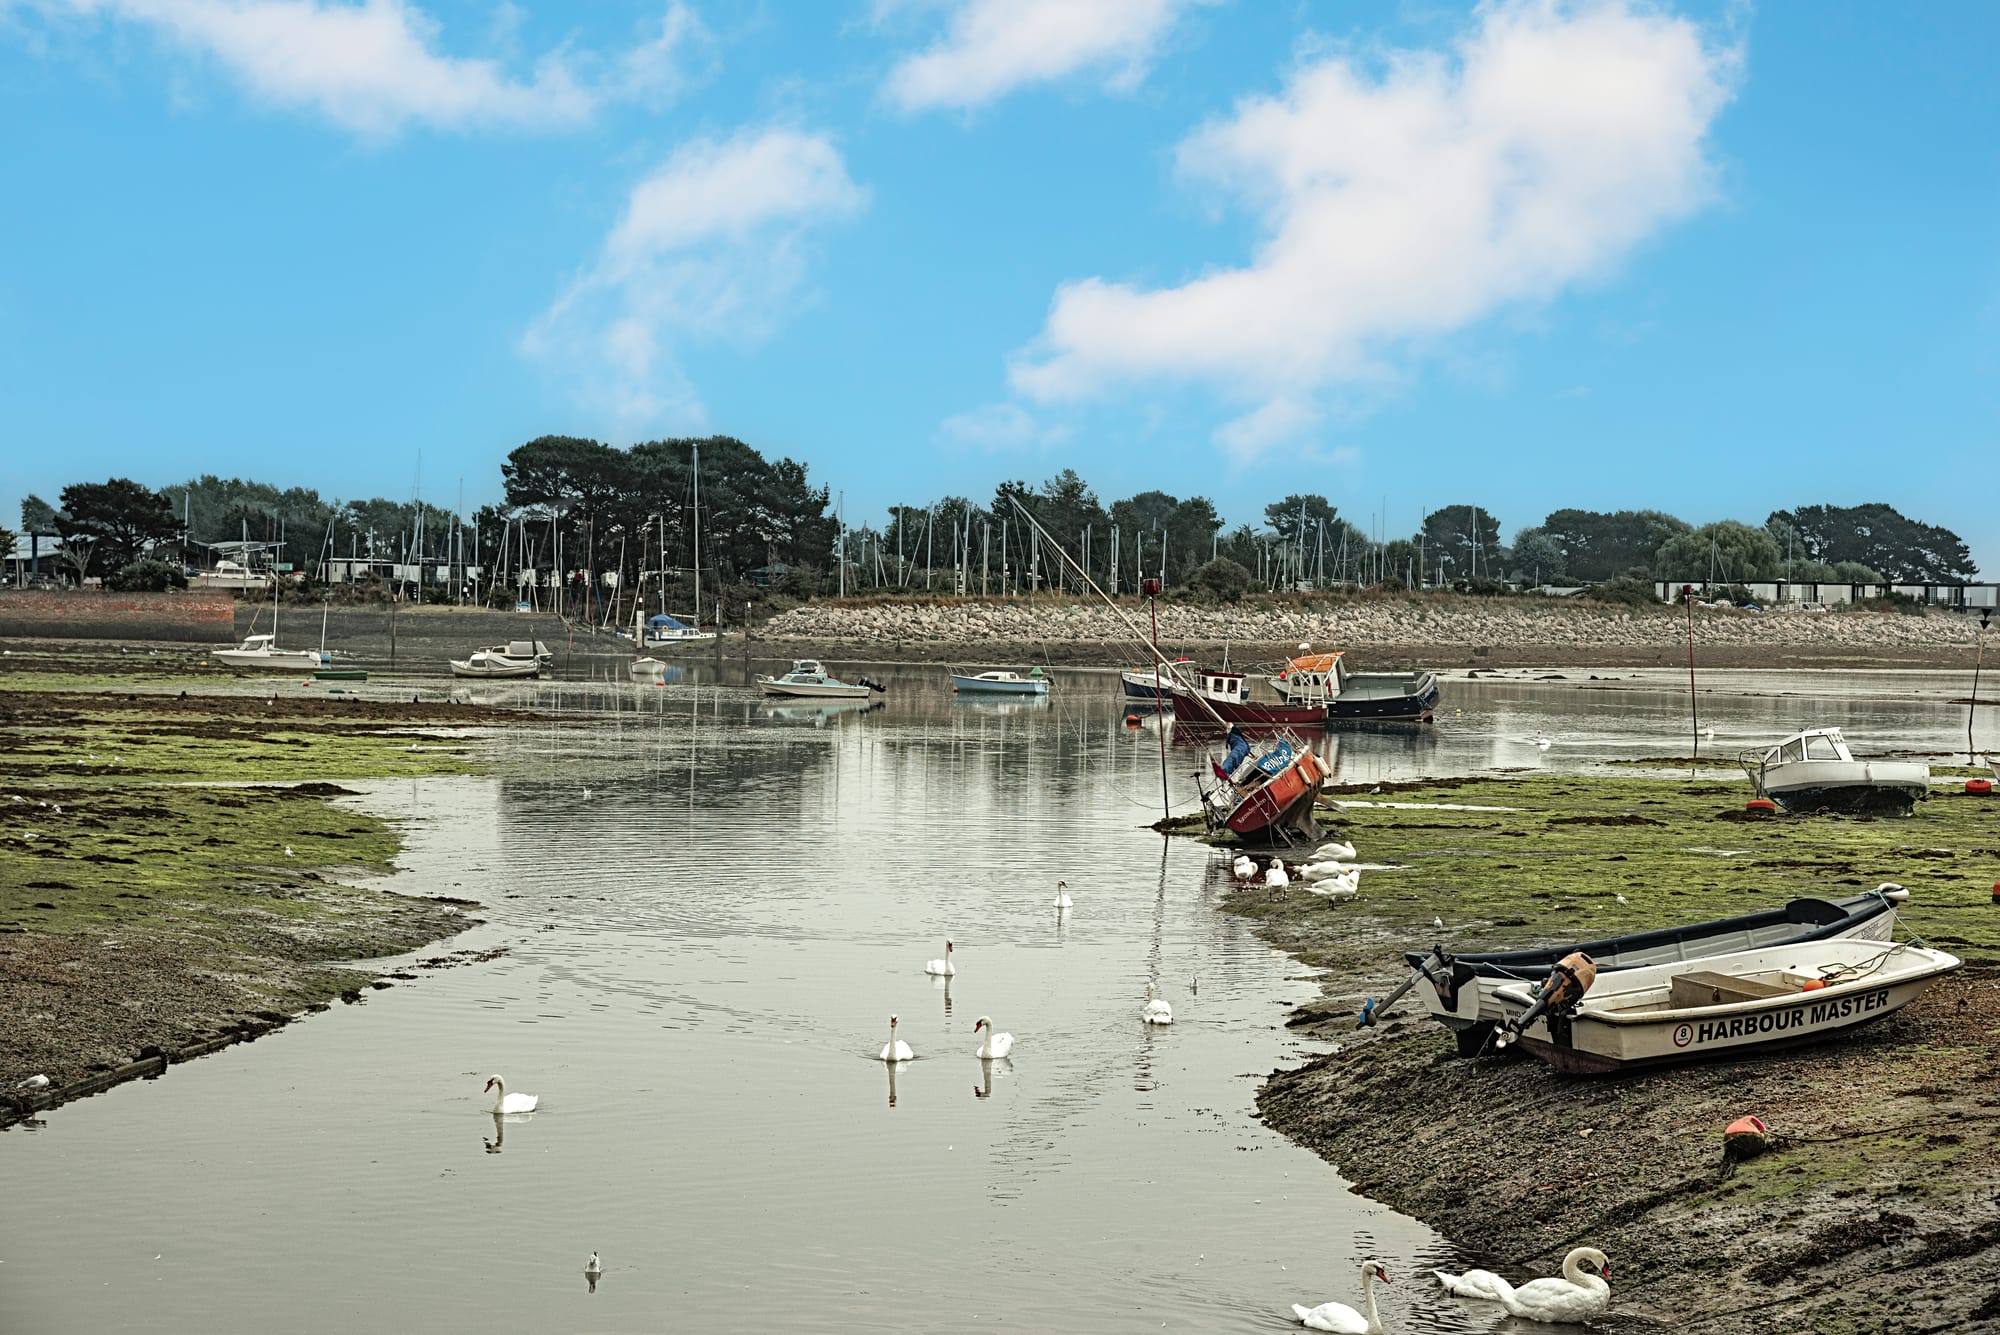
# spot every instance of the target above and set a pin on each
(665, 622)
(1314, 663)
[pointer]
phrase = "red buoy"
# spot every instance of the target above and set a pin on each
(1979, 787)
(1131, 720)
(1762, 805)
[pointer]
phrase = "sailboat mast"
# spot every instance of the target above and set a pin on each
(697, 537)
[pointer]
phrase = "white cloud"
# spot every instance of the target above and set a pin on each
(996, 46)
(1403, 204)
(1000, 427)
(711, 244)
(373, 67)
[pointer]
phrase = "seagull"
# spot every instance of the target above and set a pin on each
(586, 794)
(1623, 900)
(288, 851)
(1437, 922)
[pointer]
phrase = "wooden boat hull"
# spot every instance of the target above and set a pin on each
(1191, 710)
(1273, 810)
(1459, 991)
(1610, 1034)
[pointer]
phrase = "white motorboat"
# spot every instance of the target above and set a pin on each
(260, 653)
(516, 658)
(809, 680)
(1727, 1006)
(1814, 770)
(1458, 989)
(1001, 683)
(665, 630)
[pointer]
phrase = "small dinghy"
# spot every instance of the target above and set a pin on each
(1729, 1006)
(1458, 989)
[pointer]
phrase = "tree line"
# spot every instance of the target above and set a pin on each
(578, 512)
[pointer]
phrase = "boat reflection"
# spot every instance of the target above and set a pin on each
(816, 712)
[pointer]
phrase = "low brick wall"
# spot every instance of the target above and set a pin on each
(204, 616)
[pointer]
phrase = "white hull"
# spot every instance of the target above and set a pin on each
(474, 667)
(1477, 1001)
(689, 637)
(275, 660)
(1650, 1016)
(811, 690)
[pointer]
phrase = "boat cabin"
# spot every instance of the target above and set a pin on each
(1812, 744)
(1233, 687)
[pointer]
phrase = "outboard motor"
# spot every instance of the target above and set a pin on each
(1558, 995)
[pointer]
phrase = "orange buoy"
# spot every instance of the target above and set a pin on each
(1746, 1125)
(1131, 720)
(1812, 984)
(1996, 892)
(1979, 787)
(1761, 804)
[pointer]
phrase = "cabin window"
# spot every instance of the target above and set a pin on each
(1821, 748)
(1789, 752)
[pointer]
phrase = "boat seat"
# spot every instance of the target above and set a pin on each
(1706, 988)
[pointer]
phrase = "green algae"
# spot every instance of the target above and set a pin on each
(248, 748)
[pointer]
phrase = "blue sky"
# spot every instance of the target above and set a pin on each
(1708, 258)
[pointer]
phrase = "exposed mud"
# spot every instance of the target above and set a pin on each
(1878, 1210)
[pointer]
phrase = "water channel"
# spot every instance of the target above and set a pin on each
(710, 906)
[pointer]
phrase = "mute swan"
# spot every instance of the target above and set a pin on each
(591, 1267)
(1338, 852)
(1575, 1297)
(1340, 887)
(1243, 868)
(895, 1050)
(1062, 895)
(943, 966)
(1275, 878)
(1541, 743)
(1475, 1284)
(1157, 1010)
(994, 1045)
(503, 1102)
(1320, 871)
(1342, 1318)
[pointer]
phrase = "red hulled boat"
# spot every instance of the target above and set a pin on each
(1220, 698)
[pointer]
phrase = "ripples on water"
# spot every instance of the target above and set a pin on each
(711, 906)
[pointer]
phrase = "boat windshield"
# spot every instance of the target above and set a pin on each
(1821, 748)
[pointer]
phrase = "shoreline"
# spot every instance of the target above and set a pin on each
(1876, 1211)
(179, 874)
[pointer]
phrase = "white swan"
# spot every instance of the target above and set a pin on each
(591, 1267)
(1274, 876)
(1338, 852)
(944, 966)
(1339, 1316)
(895, 1050)
(1320, 871)
(1157, 1010)
(1244, 868)
(1474, 1284)
(1576, 1297)
(1062, 895)
(1340, 887)
(994, 1046)
(1541, 743)
(503, 1102)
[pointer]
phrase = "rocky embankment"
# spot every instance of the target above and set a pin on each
(1437, 630)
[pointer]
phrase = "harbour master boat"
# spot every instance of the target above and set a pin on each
(1325, 680)
(1730, 1006)
(1001, 683)
(1263, 791)
(809, 680)
(1461, 991)
(1814, 771)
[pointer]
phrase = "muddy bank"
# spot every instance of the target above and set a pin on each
(147, 915)
(1438, 630)
(1880, 1211)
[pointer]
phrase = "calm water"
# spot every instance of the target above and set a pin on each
(710, 907)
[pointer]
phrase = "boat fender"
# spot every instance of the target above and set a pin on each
(1744, 1138)
(1812, 984)
(1131, 720)
(1761, 805)
(1979, 787)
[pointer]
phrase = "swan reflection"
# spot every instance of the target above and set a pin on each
(892, 1081)
(986, 1068)
(499, 1135)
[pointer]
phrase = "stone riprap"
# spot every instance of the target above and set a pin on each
(1476, 628)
